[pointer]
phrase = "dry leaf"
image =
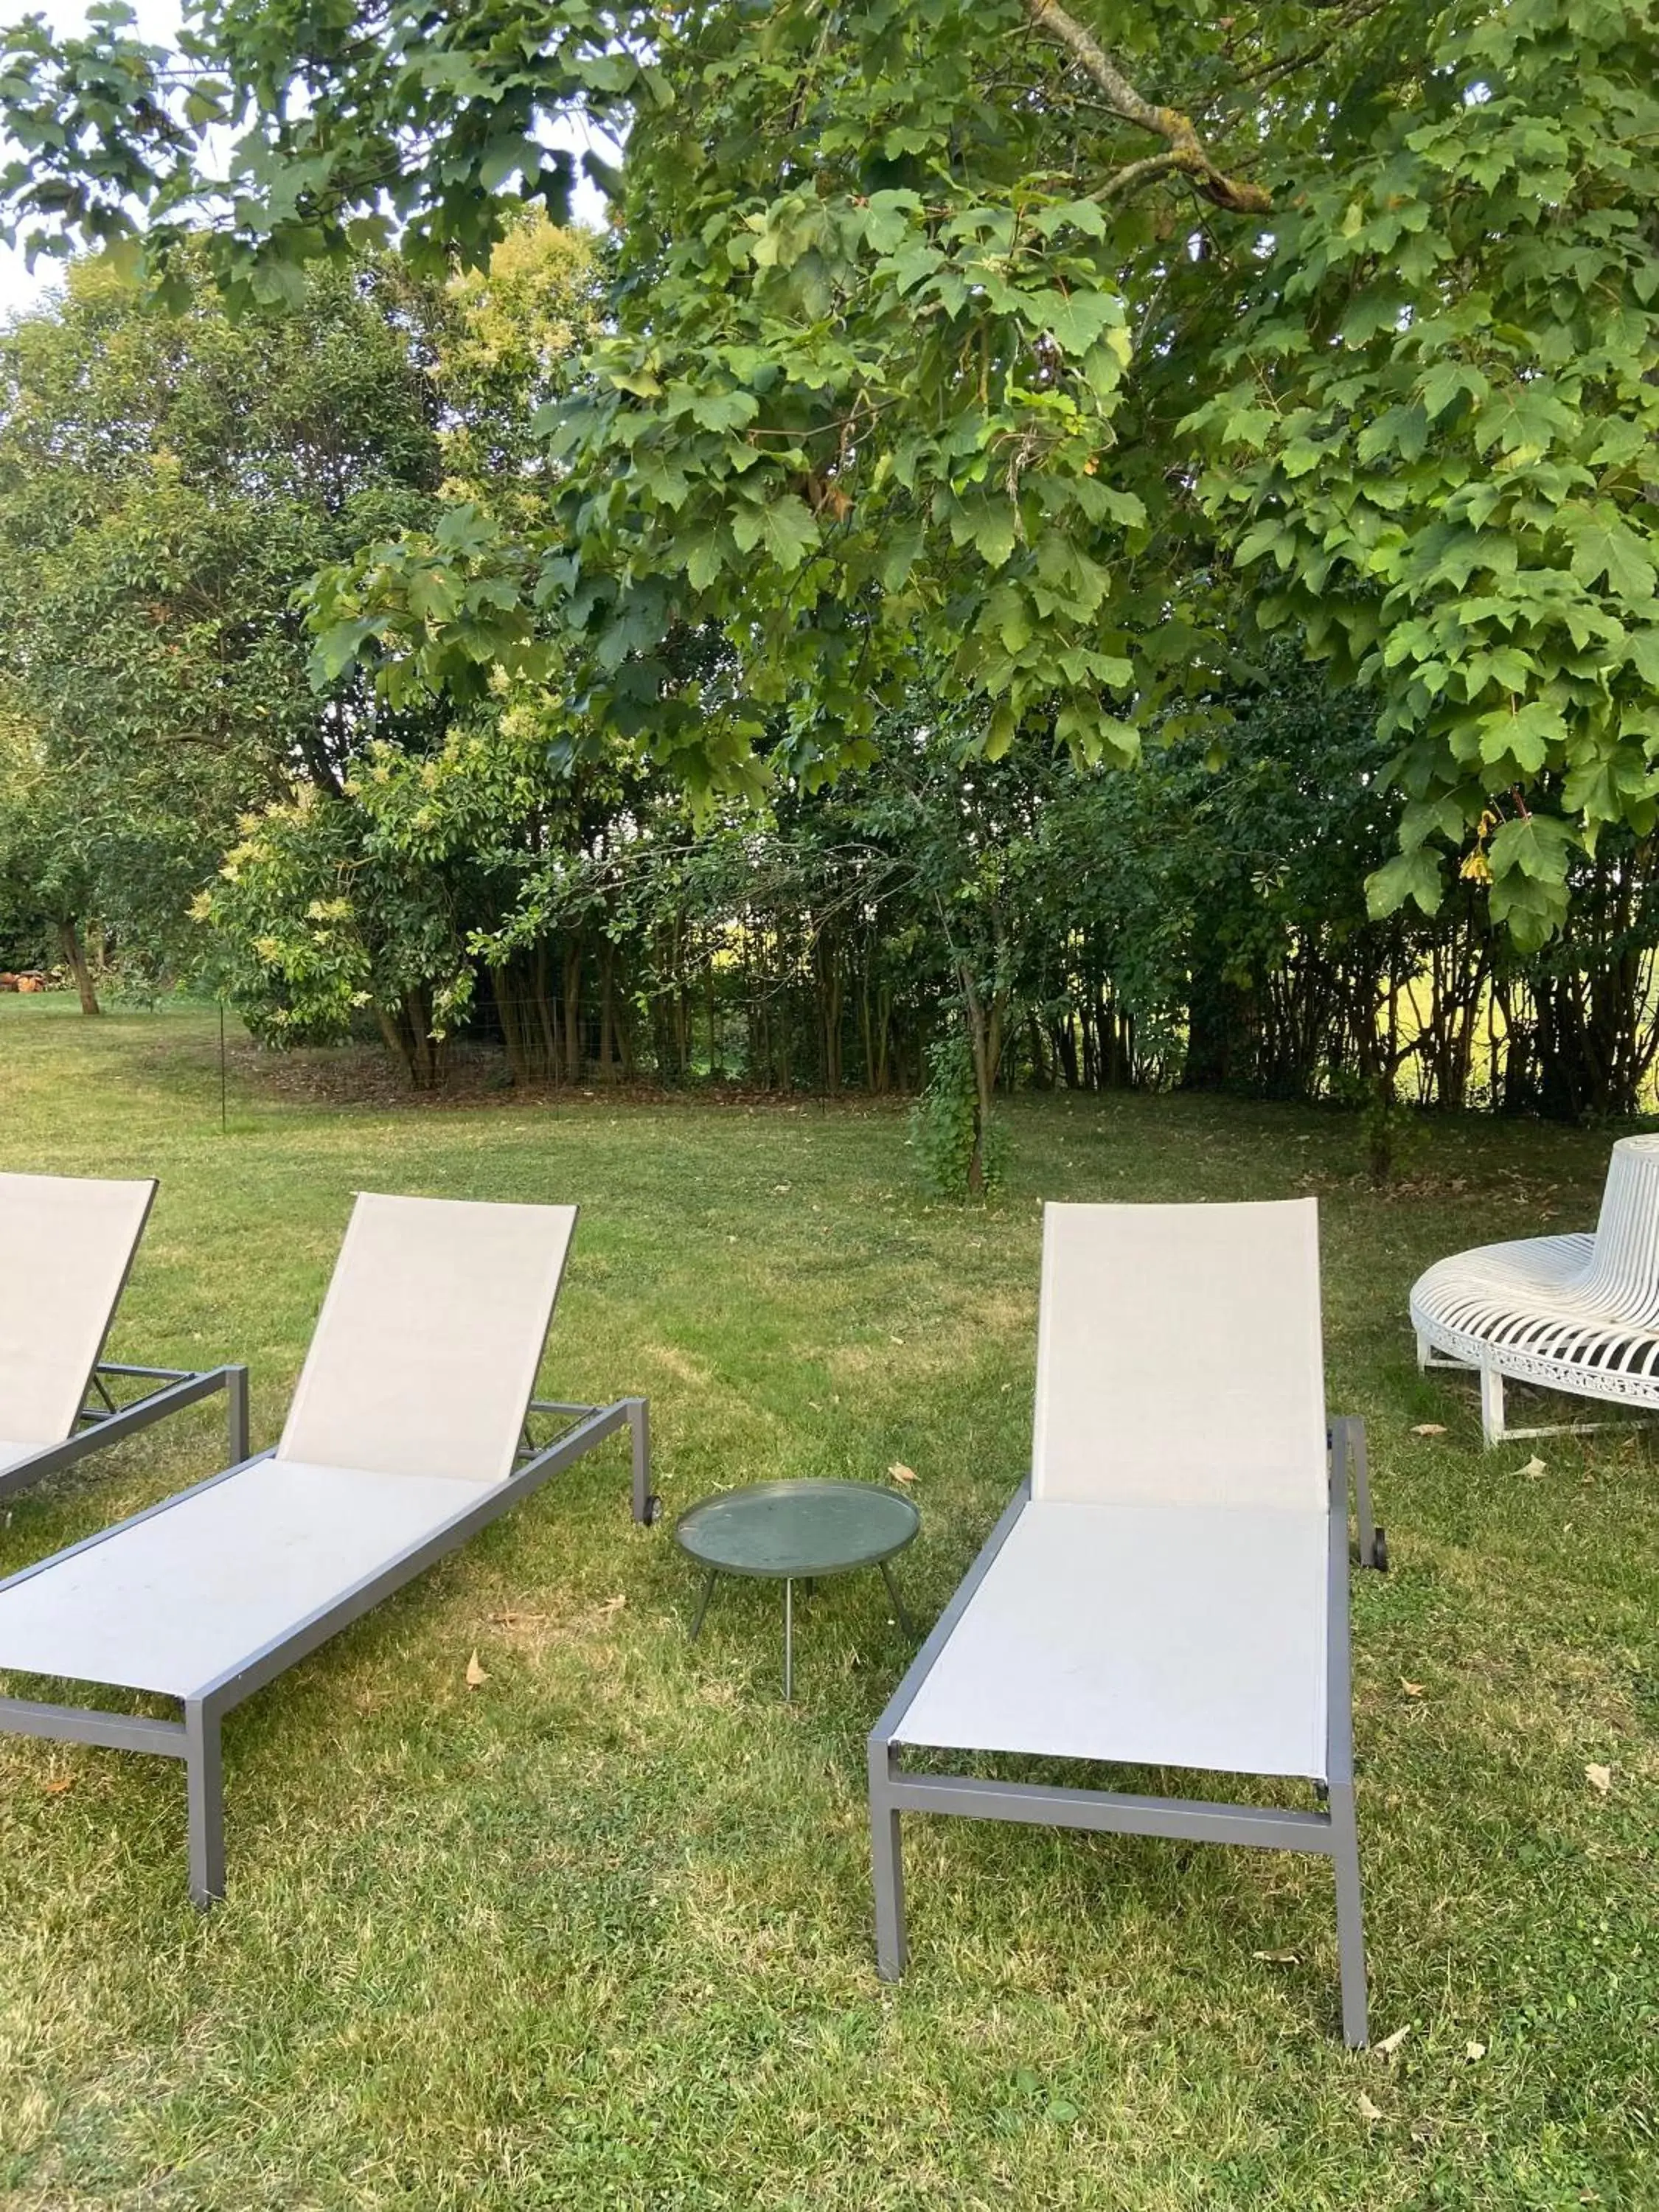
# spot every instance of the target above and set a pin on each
(900, 1473)
(1277, 1958)
(1599, 1777)
(476, 1677)
(58, 1784)
(1412, 1689)
(1476, 2050)
(1367, 2110)
(613, 1606)
(1534, 1467)
(517, 1620)
(1429, 1428)
(895, 1339)
(1390, 2044)
(779, 1190)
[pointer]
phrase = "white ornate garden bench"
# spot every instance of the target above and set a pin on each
(1578, 1314)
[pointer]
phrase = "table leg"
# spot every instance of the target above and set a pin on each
(898, 1603)
(789, 1641)
(702, 1604)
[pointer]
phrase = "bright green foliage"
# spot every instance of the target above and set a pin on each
(516, 332)
(380, 903)
(1441, 439)
(166, 481)
(48, 870)
(318, 923)
(880, 280)
(342, 130)
(924, 322)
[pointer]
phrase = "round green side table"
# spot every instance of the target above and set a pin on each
(791, 1532)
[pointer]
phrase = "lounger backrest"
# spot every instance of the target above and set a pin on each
(1179, 1359)
(425, 1353)
(66, 1242)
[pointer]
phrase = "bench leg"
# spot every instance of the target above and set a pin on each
(887, 1866)
(204, 1788)
(1491, 1407)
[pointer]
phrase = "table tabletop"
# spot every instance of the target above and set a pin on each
(798, 1529)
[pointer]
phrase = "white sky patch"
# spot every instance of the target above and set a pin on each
(158, 23)
(22, 288)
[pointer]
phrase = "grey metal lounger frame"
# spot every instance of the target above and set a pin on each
(196, 1737)
(1334, 1831)
(106, 1423)
(101, 1422)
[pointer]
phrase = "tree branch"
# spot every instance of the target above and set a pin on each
(1187, 153)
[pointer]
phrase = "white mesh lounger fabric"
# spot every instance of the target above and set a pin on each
(1578, 1314)
(1170, 1587)
(402, 1440)
(66, 1249)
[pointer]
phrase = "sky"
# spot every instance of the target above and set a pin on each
(158, 21)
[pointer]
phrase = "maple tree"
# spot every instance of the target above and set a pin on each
(992, 337)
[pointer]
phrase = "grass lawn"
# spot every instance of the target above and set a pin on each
(596, 1933)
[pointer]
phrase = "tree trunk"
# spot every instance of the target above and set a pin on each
(1219, 1030)
(75, 959)
(572, 1071)
(985, 1044)
(510, 1014)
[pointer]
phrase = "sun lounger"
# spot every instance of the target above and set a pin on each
(66, 1247)
(1170, 1587)
(407, 1434)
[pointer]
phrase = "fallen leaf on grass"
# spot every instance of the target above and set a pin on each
(1534, 1467)
(1277, 1958)
(613, 1606)
(900, 1473)
(1390, 2044)
(1412, 1689)
(476, 1677)
(1599, 1777)
(1475, 2050)
(1367, 2110)
(779, 1190)
(58, 1784)
(513, 1621)
(1429, 1428)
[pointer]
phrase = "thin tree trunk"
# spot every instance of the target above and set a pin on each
(75, 956)
(513, 1042)
(571, 1071)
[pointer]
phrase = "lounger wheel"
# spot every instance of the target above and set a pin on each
(1380, 1550)
(653, 1509)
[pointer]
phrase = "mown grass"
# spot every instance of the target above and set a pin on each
(596, 1933)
